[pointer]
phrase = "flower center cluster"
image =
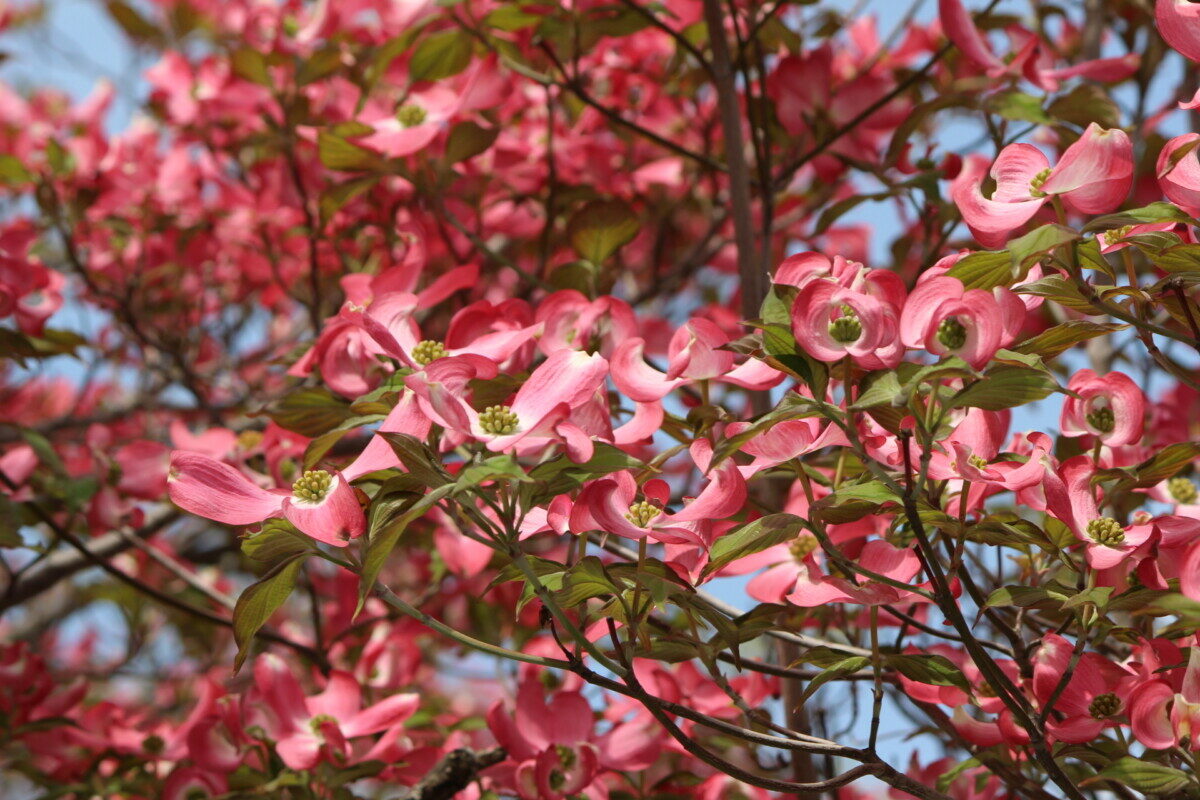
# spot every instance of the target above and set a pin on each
(566, 756)
(410, 115)
(1104, 706)
(1035, 185)
(846, 328)
(978, 462)
(312, 486)
(1106, 531)
(498, 420)
(1102, 419)
(318, 721)
(1116, 234)
(951, 333)
(428, 351)
(803, 546)
(1182, 490)
(641, 512)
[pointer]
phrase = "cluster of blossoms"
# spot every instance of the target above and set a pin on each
(436, 336)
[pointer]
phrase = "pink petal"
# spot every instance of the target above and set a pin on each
(567, 376)
(636, 379)
(990, 221)
(647, 419)
(1179, 23)
(300, 750)
(341, 698)
(332, 520)
(384, 714)
(1148, 715)
(961, 30)
(214, 490)
(1014, 171)
(1095, 173)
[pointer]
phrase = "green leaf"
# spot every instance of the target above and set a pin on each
(1085, 104)
(949, 776)
(600, 228)
(511, 17)
(985, 270)
(1004, 387)
(441, 55)
(250, 65)
(785, 355)
(1144, 776)
(467, 140)
(822, 656)
(277, 541)
(1166, 463)
(883, 389)
(260, 600)
(384, 533)
(847, 666)
(928, 669)
(131, 21)
(337, 152)
(418, 459)
(337, 195)
(12, 171)
(320, 446)
(1060, 290)
(310, 411)
(500, 467)
(1025, 597)
(1097, 596)
(1030, 248)
(1057, 340)
(1155, 212)
(585, 580)
(753, 538)
(1018, 106)
(46, 454)
(320, 64)
(562, 475)
(1179, 258)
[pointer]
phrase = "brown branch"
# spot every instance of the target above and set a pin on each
(753, 278)
(455, 772)
(44, 575)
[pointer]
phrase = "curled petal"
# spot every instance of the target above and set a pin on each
(1179, 23)
(1148, 715)
(214, 490)
(636, 379)
(1095, 173)
(990, 221)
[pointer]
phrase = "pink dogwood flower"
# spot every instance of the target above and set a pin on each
(1110, 407)
(1069, 496)
(549, 740)
(322, 504)
(692, 355)
(611, 504)
(1165, 715)
(943, 318)
(843, 309)
(1179, 23)
(539, 414)
(319, 727)
(1093, 176)
(1095, 698)
(1179, 175)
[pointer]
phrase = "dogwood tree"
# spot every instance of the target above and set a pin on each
(606, 399)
